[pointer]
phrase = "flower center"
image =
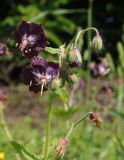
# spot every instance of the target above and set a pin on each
(42, 78)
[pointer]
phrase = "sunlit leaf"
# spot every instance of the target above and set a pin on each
(52, 50)
(23, 152)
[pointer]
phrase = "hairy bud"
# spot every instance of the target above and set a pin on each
(57, 83)
(97, 43)
(75, 59)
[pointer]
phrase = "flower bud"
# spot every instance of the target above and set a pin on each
(73, 78)
(75, 59)
(57, 83)
(3, 49)
(97, 43)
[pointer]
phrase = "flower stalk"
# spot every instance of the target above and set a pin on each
(82, 31)
(76, 123)
(4, 124)
(5, 127)
(48, 132)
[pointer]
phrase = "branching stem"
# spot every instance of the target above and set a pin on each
(83, 31)
(76, 123)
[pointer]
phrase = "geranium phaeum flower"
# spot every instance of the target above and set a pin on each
(40, 74)
(30, 38)
(3, 49)
(100, 69)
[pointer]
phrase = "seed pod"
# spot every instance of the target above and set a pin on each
(97, 43)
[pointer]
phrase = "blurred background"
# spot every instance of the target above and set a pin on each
(61, 20)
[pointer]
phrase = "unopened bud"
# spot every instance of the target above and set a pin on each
(75, 59)
(3, 49)
(97, 43)
(73, 78)
(57, 83)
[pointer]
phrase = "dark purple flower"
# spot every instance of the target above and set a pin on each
(30, 38)
(40, 74)
(3, 49)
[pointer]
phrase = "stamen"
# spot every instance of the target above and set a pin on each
(41, 92)
(33, 38)
(29, 50)
(16, 44)
(30, 83)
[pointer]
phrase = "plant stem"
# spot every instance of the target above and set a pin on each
(120, 90)
(89, 20)
(48, 132)
(76, 123)
(89, 24)
(82, 31)
(120, 97)
(5, 127)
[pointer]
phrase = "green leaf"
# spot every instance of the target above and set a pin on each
(52, 50)
(53, 37)
(59, 111)
(67, 11)
(58, 12)
(64, 96)
(120, 50)
(116, 113)
(67, 24)
(23, 152)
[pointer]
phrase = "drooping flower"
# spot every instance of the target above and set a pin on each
(40, 74)
(30, 38)
(96, 119)
(3, 49)
(62, 147)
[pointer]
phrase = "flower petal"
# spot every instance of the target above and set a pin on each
(27, 75)
(35, 88)
(53, 68)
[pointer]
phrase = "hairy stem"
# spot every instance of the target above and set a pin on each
(5, 127)
(48, 133)
(82, 31)
(76, 123)
(89, 24)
